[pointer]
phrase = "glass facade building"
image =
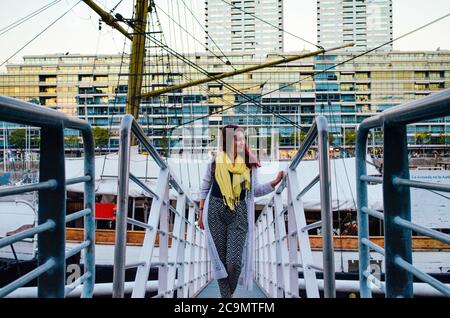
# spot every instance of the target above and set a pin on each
(277, 103)
(234, 28)
(366, 23)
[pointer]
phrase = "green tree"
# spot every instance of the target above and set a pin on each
(379, 135)
(331, 139)
(165, 146)
(423, 137)
(350, 137)
(298, 137)
(71, 141)
(101, 136)
(17, 139)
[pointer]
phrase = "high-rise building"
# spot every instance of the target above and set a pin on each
(367, 23)
(238, 26)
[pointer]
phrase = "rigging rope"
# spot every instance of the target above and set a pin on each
(40, 33)
(27, 17)
(207, 33)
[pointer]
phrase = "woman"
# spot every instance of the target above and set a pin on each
(227, 196)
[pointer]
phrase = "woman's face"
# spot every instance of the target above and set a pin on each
(240, 142)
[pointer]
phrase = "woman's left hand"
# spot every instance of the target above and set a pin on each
(278, 178)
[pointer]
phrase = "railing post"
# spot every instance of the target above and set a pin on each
(176, 245)
(309, 274)
(265, 249)
(52, 206)
(150, 235)
(396, 203)
(203, 259)
(326, 211)
(273, 252)
(260, 253)
(197, 264)
(293, 246)
(164, 244)
(282, 248)
(89, 220)
(122, 209)
(188, 253)
(363, 218)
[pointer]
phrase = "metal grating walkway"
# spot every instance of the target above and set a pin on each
(212, 291)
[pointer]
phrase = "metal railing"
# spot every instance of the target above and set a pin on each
(277, 259)
(52, 219)
(183, 260)
(396, 197)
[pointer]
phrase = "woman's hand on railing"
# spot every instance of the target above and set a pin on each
(278, 178)
(200, 220)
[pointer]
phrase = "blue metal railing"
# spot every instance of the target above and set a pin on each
(52, 219)
(396, 197)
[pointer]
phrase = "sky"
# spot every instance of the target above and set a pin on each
(78, 30)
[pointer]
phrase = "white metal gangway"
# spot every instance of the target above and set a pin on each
(183, 265)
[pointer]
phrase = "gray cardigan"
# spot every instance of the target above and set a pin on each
(256, 190)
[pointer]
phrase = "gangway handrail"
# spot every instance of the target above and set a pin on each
(277, 269)
(187, 253)
(52, 217)
(396, 197)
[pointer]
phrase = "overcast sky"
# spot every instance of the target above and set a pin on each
(77, 31)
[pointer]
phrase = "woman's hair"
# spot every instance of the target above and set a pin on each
(229, 145)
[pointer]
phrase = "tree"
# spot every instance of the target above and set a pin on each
(331, 138)
(165, 146)
(423, 137)
(299, 136)
(350, 137)
(379, 135)
(101, 136)
(441, 139)
(17, 139)
(72, 141)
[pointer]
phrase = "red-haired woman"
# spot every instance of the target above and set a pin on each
(227, 196)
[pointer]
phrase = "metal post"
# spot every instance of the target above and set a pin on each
(281, 247)
(5, 142)
(326, 211)
(293, 245)
(273, 252)
(396, 203)
(311, 285)
(133, 211)
(122, 209)
(150, 234)
(188, 253)
(164, 244)
(52, 206)
(363, 218)
(89, 220)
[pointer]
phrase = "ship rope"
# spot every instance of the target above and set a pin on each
(29, 16)
(39, 34)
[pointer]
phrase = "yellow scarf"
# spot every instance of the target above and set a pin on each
(241, 173)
